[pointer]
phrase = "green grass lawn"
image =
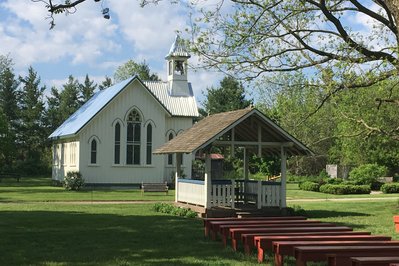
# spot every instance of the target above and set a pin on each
(51, 233)
(41, 189)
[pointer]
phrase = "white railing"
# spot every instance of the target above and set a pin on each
(222, 193)
(225, 193)
(190, 191)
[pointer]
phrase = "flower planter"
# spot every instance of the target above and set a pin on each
(396, 221)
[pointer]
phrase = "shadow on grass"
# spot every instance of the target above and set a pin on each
(77, 238)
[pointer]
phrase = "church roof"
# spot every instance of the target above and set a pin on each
(211, 128)
(174, 106)
(178, 49)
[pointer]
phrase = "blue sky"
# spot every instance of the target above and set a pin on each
(86, 43)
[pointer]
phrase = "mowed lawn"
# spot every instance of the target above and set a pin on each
(71, 233)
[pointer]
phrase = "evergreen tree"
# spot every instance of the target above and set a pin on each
(32, 132)
(9, 106)
(228, 97)
(69, 98)
(86, 90)
(53, 118)
(105, 84)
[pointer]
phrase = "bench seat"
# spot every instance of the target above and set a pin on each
(286, 248)
(374, 261)
(154, 187)
(340, 255)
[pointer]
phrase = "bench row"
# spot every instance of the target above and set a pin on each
(306, 240)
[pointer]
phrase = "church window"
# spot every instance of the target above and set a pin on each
(93, 153)
(149, 144)
(170, 156)
(133, 138)
(117, 144)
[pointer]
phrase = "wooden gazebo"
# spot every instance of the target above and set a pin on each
(246, 128)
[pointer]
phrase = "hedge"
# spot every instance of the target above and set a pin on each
(390, 188)
(345, 189)
(309, 186)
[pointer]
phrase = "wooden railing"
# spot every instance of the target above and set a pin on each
(226, 193)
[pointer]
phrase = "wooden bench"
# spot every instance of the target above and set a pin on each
(374, 261)
(154, 187)
(224, 230)
(286, 248)
(265, 243)
(340, 255)
(217, 227)
(235, 233)
(208, 221)
(10, 175)
(396, 222)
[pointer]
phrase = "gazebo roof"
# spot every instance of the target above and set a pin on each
(245, 127)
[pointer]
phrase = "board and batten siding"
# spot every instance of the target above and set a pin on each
(101, 127)
(65, 158)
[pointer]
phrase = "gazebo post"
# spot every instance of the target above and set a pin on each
(283, 203)
(245, 171)
(179, 157)
(208, 180)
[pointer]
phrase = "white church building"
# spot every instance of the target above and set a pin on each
(110, 139)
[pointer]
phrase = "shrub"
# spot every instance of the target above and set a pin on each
(343, 189)
(73, 181)
(390, 188)
(309, 186)
(367, 174)
(174, 210)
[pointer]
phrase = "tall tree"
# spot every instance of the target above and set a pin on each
(9, 96)
(53, 117)
(69, 98)
(87, 89)
(107, 82)
(131, 68)
(229, 96)
(32, 132)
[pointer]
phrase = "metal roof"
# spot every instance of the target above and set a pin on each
(175, 106)
(178, 49)
(211, 128)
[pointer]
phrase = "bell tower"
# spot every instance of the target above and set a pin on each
(177, 68)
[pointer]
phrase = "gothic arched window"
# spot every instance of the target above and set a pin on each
(133, 140)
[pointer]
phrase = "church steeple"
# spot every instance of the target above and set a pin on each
(177, 68)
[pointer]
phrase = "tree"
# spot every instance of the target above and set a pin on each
(131, 68)
(9, 96)
(52, 115)
(105, 84)
(69, 98)
(86, 90)
(32, 134)
(228, 97)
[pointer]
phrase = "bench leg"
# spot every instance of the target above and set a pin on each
(261, 255)
(278, 260)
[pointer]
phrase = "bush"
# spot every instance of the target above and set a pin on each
(73, 181)
(367, 174)
(309, 186)
(174, 210)
(343, 189)
(390, 188)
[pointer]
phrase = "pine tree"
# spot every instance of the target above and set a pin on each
(86, 90)
(229, 96)
(69, 98)
(105, 84)
(10, 116)
(32, 132)
(53, 118)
